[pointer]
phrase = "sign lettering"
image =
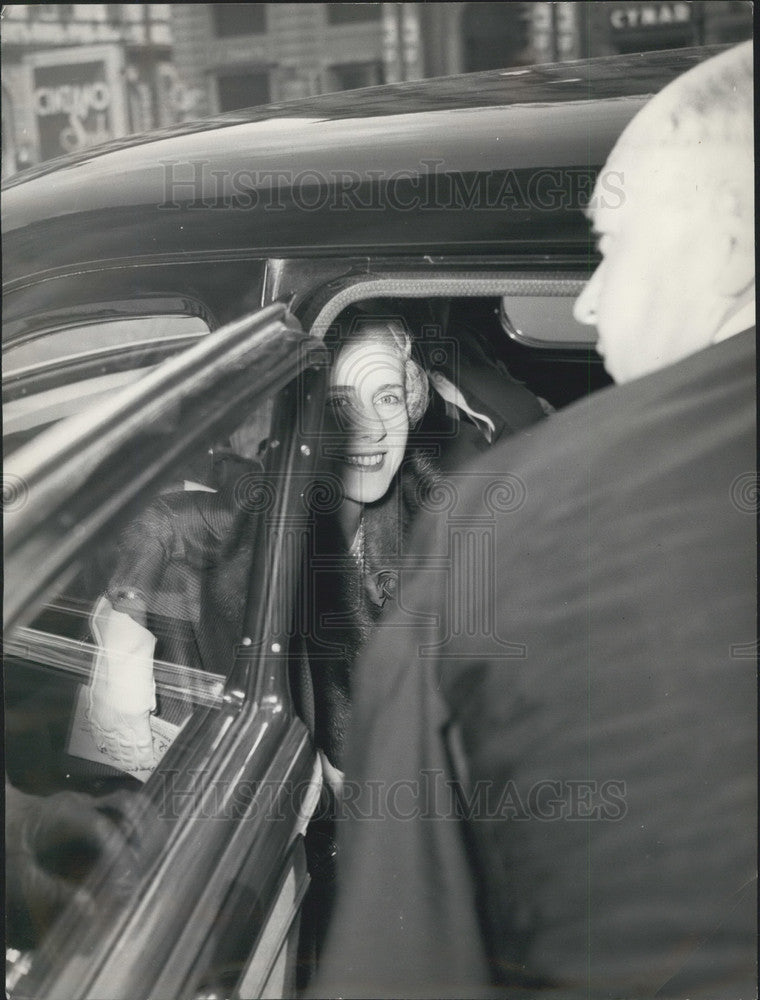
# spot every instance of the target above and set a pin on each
(71, 99)
(73, 103)
(650, 16)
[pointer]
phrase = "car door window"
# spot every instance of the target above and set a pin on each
(55, 372)
(194, 566)
(165, 576)
(89, 338)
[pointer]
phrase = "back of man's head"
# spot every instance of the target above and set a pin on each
(712, 102)
(678, 248)
(702, 122)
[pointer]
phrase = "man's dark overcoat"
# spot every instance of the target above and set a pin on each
(580, 651)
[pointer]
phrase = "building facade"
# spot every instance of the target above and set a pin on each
(231, 56)
(234, 55)
(74, 75)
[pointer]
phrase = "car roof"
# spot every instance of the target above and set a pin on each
(214, 180)
(640, 73)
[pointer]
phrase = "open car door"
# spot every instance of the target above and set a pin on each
(225, 428)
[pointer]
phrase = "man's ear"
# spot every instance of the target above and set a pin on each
(735, 231)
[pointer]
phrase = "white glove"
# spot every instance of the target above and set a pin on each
(122, 692)
(333, 778)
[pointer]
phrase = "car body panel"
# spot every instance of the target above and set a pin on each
(212, 797)
(581, 80)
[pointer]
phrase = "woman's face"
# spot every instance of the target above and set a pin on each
(368, 424)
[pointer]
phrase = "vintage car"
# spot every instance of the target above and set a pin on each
(165, 301)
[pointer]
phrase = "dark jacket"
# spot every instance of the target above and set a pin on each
(183, 569)
(182, 572)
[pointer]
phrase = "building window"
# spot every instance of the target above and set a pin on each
(348, 13)
(242, 90)
(494, 35)
(59, 12)
(351, 76)
(232, 19)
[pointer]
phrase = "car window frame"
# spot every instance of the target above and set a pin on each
(66, 383)
(322, 307)
(26, 329)
(100, 361)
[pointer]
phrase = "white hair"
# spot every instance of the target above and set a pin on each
(696, 136)
(711, 103)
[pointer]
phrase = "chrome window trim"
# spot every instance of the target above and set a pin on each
(26, 372)
(75, 657)
(453, 285)
(26, 329)
(256, 978)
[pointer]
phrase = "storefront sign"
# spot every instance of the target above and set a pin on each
(635, 17)
(77, 100)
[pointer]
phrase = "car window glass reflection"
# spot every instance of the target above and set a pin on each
(81, 339)
(106, 678)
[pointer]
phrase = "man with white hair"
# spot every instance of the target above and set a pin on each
(607, 757)
(678, 267)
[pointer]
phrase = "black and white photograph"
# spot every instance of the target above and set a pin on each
(380, 501)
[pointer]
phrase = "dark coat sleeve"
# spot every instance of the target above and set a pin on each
(406, 921)
(180, 572)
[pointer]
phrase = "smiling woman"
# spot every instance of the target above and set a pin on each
(368, 402)
(376, 391)
(377, 477)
